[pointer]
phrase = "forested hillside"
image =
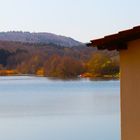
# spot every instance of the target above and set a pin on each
(55, 61)
(44, 38)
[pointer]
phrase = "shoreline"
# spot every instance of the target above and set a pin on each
(102, 78)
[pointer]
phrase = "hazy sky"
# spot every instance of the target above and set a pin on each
(80, 19)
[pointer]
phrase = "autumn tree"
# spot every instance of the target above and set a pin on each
(65, 67)
(101, 64)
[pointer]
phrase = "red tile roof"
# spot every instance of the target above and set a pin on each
(116, 41)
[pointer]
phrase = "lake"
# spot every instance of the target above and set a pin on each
(35, 108)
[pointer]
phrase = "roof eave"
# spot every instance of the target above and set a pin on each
(116, 41)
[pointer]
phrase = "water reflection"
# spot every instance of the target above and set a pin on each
(34, 108)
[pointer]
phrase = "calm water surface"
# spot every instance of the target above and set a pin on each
(33, 108)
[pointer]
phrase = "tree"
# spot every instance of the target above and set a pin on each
(101, 64)
(64, 67)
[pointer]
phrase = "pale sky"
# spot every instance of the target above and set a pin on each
(80, 19)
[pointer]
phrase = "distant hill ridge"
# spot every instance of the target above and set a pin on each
(46, 38)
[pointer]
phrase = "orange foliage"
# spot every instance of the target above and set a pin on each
(40, 72)
(8, 72)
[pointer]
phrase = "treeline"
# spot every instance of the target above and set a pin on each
(56, 61)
